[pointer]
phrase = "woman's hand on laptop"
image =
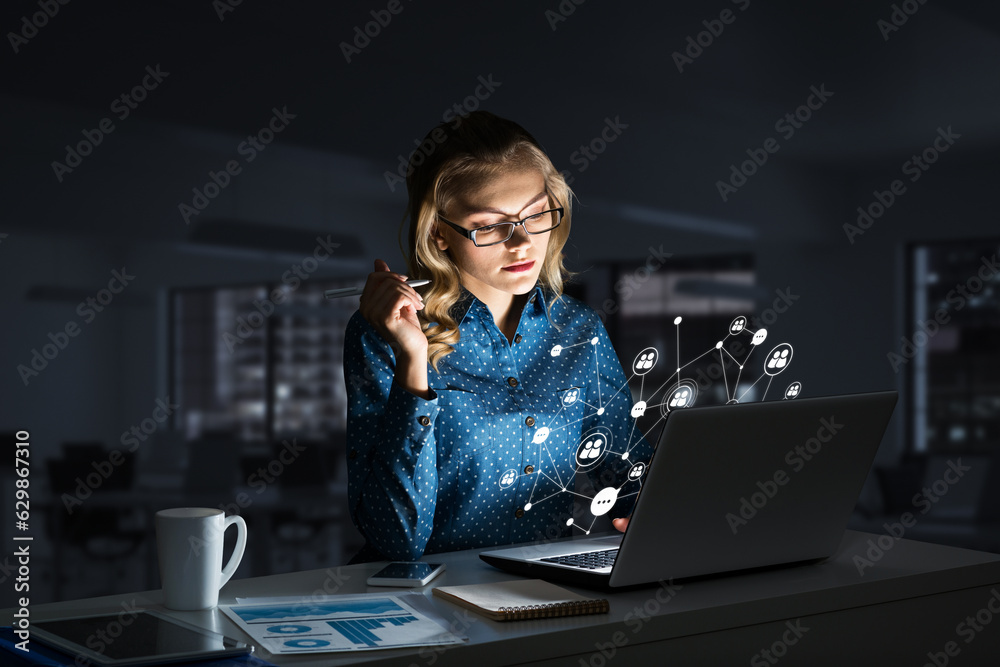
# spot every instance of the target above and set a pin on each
(620, 524)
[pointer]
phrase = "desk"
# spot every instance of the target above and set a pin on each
(910, 601)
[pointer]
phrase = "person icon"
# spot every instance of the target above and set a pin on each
(508, 478)
(645, 361)
(778, 359)
(794, 389)
(738, 325)
(680, 398)
(569, 398)
(592, 448)
(635, 472)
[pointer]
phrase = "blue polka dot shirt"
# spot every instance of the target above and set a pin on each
(506, 443)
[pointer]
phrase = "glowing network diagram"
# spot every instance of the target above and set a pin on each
(598, 445)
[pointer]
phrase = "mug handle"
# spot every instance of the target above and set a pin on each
(241, 545)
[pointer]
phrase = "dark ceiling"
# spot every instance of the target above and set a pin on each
(559, 78)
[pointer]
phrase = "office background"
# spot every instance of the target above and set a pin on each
(171, 173)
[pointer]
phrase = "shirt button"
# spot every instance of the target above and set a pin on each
(353, 454)
(529, 469)
(530, 421)
(512, 382)
(424, 420)
(517, 338)
(519, 513)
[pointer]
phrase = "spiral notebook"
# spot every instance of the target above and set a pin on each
(521, 599)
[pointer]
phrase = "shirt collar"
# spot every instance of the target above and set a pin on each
(468, 305)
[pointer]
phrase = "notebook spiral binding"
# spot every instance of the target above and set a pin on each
(533, 611)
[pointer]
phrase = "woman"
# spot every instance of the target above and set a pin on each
(471, 408)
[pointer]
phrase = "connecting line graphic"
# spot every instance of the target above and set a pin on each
(596, 445)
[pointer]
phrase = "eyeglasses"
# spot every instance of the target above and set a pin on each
(538, 223)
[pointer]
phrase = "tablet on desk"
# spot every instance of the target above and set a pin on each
(138, 638)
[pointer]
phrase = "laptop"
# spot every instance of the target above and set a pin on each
(729, 488)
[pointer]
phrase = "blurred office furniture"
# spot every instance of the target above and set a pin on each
(213, 466)
(89, 535)
(305, 527)
(942, 499)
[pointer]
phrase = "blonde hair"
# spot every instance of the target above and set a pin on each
(466, 153)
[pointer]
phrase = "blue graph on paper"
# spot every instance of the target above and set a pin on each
(339, 623)
(372, 607)
(359, 631)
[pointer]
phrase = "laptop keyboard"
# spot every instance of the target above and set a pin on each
(590, 560)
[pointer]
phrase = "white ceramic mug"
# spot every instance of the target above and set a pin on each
(189, 544)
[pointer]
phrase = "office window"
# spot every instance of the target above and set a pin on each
(949, 349)
(242, 369)
(639, 304)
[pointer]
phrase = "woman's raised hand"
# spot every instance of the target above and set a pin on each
(390, 306)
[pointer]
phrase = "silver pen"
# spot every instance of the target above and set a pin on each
(356, 291)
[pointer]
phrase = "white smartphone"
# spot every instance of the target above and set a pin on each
(401, 573)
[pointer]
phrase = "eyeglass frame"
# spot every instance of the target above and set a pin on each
(471, 233)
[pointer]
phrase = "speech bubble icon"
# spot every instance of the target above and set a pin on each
(759, 337)
(603, 501)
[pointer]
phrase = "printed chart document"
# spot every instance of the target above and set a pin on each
(340, 623)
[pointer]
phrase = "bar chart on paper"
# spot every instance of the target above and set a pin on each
(360, 631)
(346, 623)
